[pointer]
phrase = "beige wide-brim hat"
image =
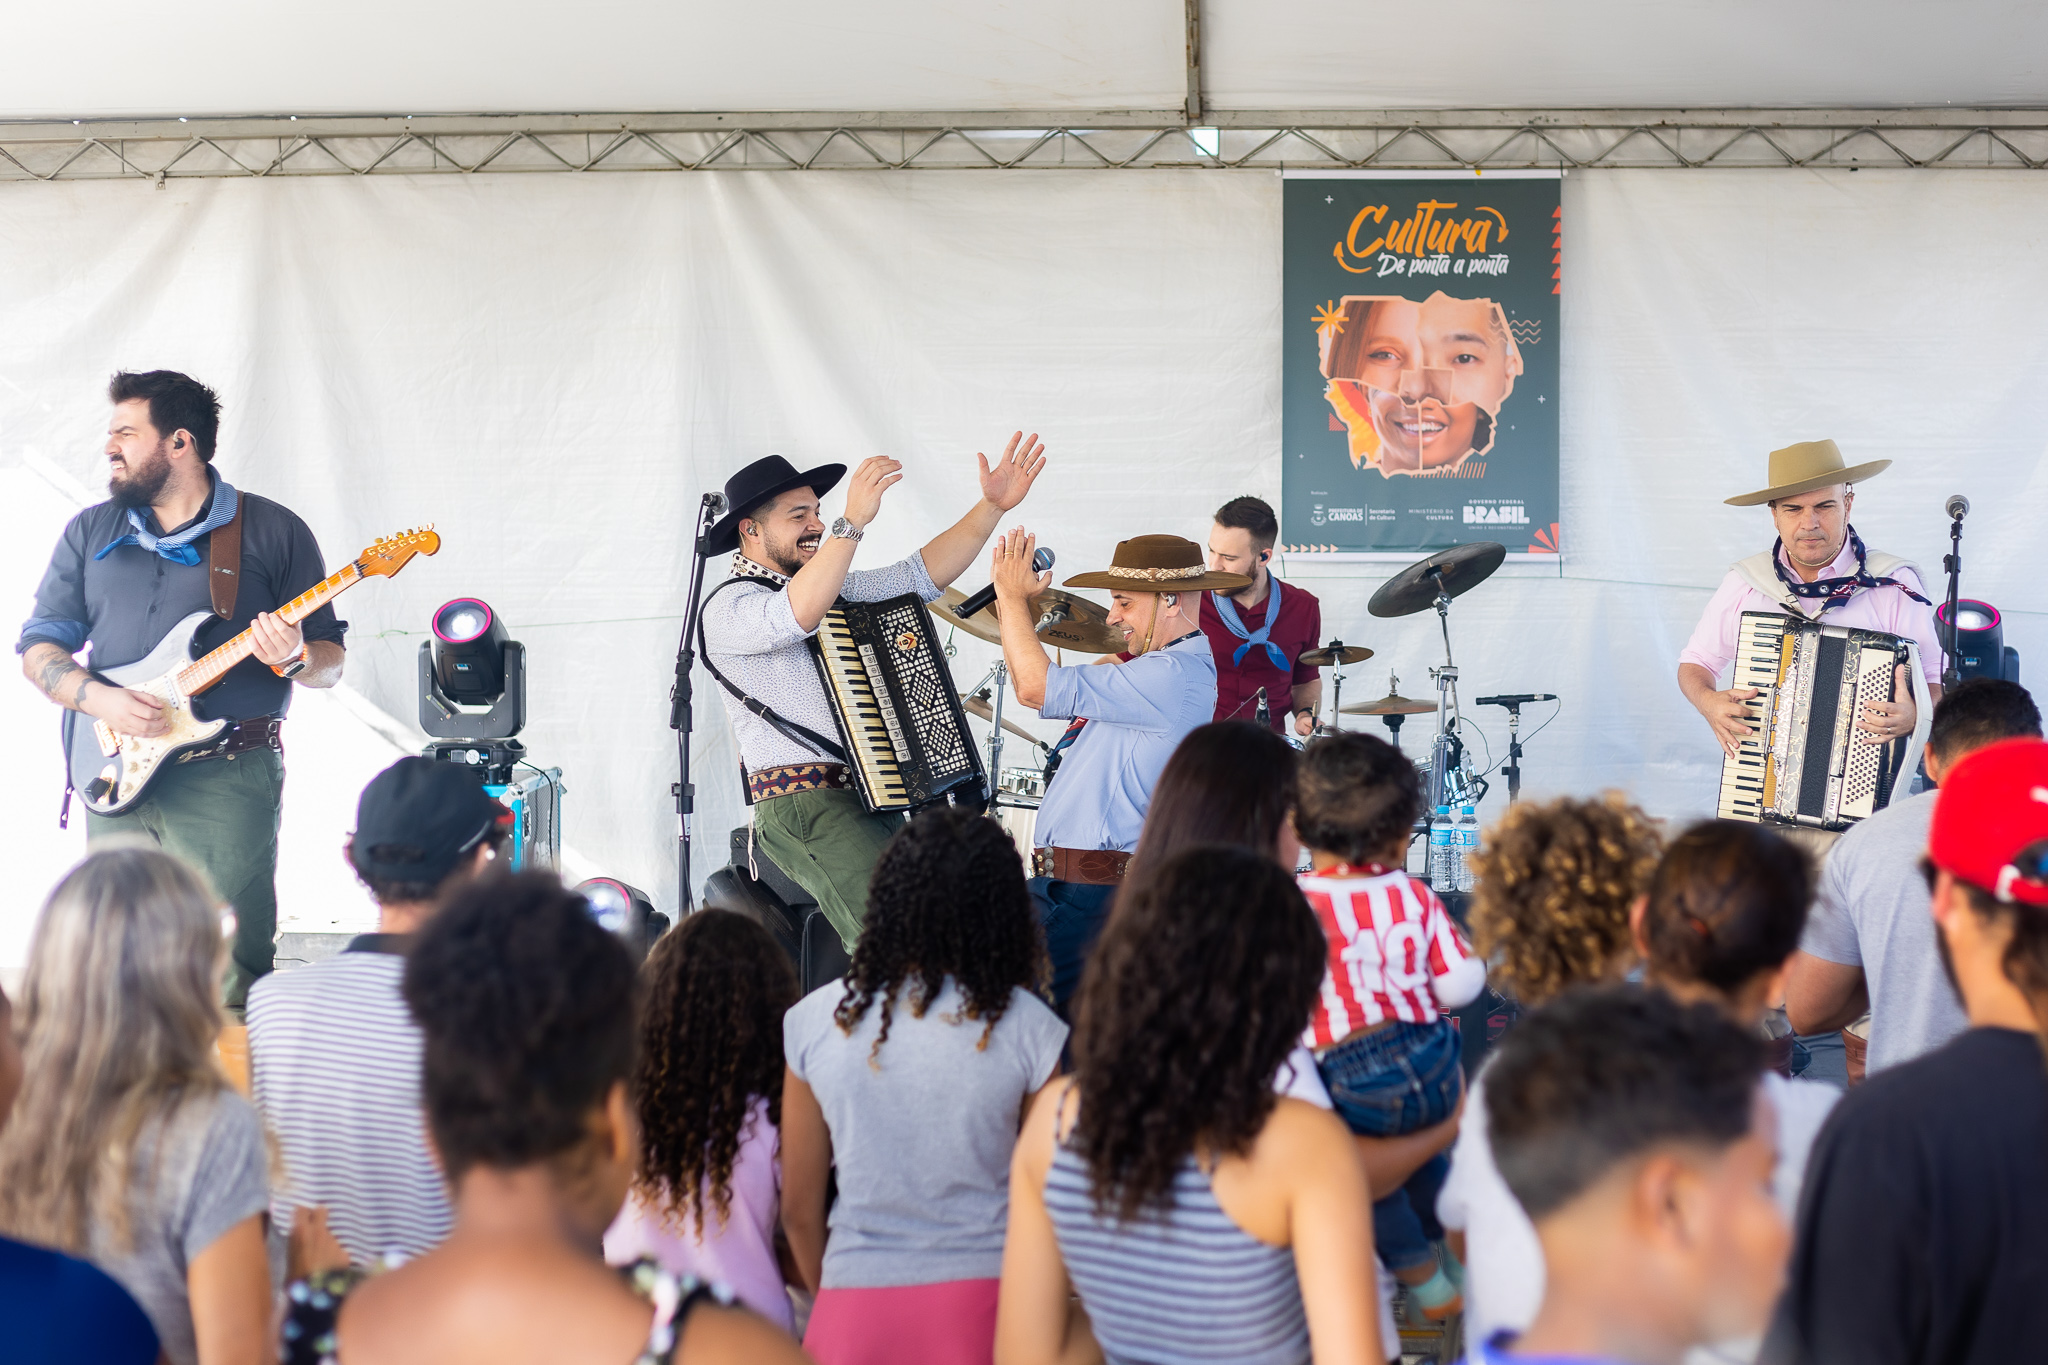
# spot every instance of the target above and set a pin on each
(1159, 564)
(1804, 467)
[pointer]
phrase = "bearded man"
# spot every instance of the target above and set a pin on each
(786, 574)
(1819, 569)
(1137, 712)
(127, 570)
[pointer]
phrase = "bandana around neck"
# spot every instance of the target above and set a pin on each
(1839, 590)
(1226, 611)
(178, 548)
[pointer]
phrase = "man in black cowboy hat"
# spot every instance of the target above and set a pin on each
(1137, 714)
(787, 572)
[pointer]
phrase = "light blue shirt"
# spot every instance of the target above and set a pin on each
(1138, 713)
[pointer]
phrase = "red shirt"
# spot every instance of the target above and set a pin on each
(1298, 628)
(1394, 952)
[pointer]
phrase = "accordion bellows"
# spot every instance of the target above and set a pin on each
(893, 696)
(1807, 763)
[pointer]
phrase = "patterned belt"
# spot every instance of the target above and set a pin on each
(769, 783)
(1091, 866)
(264, 732)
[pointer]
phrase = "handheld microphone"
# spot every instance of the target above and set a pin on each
(1517, 699)
(1265, 717)
(984, 599)
(1958, 506)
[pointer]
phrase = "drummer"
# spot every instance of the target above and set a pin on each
(1259, 632)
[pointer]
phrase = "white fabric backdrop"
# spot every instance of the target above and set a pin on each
(554, 368)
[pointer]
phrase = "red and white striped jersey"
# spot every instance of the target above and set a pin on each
(1394, 952)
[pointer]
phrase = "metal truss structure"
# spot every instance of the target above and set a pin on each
(1404, 140)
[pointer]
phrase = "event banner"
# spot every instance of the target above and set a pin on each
(1420, 373)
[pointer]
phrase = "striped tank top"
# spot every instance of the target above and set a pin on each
(1190, 1286)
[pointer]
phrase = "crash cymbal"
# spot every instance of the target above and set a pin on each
(1460, 568)
(1335, 654)
(1075, 622)
(977, 705)
(1389, 705)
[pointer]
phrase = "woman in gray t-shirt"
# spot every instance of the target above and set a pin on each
(127, 1147)
(911, 1077)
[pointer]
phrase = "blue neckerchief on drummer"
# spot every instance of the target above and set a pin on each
(178, 548)
(1226, 610)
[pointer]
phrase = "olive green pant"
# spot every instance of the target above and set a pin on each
(827, 843)
(221, 816)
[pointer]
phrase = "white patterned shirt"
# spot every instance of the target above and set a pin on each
(751, 634)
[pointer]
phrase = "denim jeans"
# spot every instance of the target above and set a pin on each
(1404, 1223)
(1399, 1079)
(1072, 914)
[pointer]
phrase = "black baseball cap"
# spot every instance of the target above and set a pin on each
(418, 818)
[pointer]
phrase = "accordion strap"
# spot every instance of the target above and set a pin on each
(783, 725)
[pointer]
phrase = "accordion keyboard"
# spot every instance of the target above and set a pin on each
(873, 731)
(1746, 777)
(893, 695)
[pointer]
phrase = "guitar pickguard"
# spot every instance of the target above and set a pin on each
(135, 759)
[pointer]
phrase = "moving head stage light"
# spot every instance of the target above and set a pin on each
(1980, 647)
(472, 682)
(625, 910)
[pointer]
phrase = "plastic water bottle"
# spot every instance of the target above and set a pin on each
(1443, 847)
(1468, 845)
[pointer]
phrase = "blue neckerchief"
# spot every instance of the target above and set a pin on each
(1226, 610)
(1839, 590)
(178, 548)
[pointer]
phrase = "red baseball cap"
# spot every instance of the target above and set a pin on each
(1991, 821)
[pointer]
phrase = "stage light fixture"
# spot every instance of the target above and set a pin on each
(472, 674)
(625, 910)
(1980, 648)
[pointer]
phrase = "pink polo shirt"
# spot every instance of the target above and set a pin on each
(1712, 646)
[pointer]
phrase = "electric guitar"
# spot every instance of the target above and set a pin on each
(112, 771)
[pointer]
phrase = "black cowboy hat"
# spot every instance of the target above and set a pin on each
(756, 484)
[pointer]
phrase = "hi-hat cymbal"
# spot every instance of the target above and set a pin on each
(1390, 705)
(1335, 654)
(977, 705)
(1460, 569)
(1075, 622)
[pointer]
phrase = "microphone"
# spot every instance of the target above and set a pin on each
(715, 504)
(982, 600)
(1264, 716)
(1958, 506)
(1517, 699)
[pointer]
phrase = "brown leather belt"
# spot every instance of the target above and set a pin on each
(264, 732)
(769, 783)
(1092, 866)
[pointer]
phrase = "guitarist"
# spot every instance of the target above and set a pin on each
(130, 568)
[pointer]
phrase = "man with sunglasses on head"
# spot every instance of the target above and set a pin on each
(1923, 1227)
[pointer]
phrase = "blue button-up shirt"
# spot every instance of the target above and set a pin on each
(1138, 713)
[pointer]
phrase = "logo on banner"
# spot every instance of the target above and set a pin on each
(1500, 514)
(1347, 514)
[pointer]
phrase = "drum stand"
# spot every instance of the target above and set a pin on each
(1000, 677)
(1448, 784)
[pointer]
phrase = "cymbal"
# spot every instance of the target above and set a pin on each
(1461, 568)
(1076, 623)
(1390, 705)
(977, 705)
(1335, 654)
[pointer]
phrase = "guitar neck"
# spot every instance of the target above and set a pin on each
(211, 667)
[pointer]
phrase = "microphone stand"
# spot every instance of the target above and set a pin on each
(682, 707)
(1951, 669)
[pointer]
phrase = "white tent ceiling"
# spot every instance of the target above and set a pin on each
(138, 59)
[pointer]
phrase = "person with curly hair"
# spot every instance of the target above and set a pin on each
(526, 1005)
(1390, 1057)
(708, 1092)
(912, 1078)
(1557, 881)
(1199, 1215)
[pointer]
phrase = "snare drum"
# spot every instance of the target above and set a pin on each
(1018, 815)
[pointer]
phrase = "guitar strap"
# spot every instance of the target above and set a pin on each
(224, 563)
(783, 725)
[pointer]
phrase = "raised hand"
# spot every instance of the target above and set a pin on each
(864, 490)
(1010, 568)
(1005, 485)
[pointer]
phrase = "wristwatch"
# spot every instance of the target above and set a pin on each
(843, 529)
(292, 667)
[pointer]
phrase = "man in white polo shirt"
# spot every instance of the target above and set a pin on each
(334, 1055)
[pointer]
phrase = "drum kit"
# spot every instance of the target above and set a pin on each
(1067, 621)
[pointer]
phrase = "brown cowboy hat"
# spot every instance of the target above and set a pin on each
(1804, 467)
(1159, 564)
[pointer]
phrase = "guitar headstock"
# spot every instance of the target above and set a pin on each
(392, 553)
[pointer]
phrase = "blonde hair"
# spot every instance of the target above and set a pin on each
(118, 1017)
(1555, 884)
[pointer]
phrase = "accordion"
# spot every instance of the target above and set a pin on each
(1806, 763)
(906, 733)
